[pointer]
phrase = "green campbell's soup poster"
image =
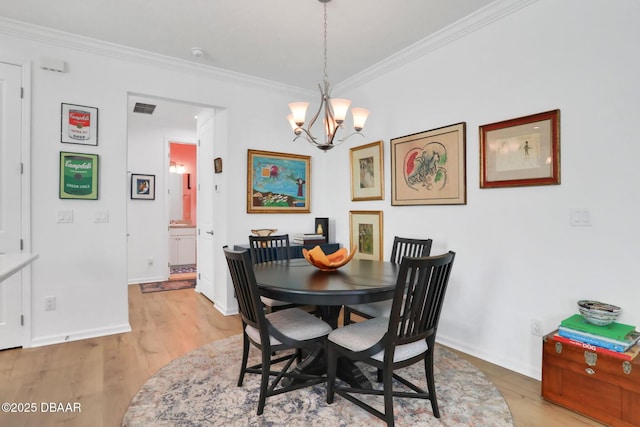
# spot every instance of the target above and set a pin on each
(78, 176)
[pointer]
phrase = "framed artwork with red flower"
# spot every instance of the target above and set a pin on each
(429, 168)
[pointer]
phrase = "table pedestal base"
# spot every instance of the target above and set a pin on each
(315, 364)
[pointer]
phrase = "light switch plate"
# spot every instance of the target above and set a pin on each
(101, 216)
(65, 216)
(580, 217)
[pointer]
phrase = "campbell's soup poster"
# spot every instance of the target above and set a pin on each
(79, 124)
(78, 176)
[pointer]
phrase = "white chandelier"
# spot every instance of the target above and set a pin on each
(333, 110)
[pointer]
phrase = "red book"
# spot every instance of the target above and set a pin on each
(625, 355)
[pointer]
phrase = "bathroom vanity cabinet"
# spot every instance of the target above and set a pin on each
(182, 245)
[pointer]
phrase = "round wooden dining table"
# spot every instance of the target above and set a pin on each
(297, 281)
(358, 282)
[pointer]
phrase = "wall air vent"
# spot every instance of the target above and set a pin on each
(144, 108)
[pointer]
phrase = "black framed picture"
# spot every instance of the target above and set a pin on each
(143, 186)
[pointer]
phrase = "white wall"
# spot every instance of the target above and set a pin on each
(517, 256)
(84, 264)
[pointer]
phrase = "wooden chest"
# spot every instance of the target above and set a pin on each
(596, 385)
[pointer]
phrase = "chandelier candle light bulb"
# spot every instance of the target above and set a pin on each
(340, 108)
(359, 117)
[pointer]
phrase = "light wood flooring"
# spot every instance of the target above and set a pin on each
(103, 374)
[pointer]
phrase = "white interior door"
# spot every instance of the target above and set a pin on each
(205, 239)
(10, 200)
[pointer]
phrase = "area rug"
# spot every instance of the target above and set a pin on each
(199, 389)
(169, 285)
(180, 269)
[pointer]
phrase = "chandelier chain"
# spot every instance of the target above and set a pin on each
(326, 77)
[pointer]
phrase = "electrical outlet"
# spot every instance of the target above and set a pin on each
(536, 327)
(49, 303)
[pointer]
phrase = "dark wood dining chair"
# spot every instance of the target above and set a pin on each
(402, 246)
(408, 336)
(266, 249)
(290, 329)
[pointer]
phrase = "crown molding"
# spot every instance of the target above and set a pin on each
(479, 19)
(467, 25)
(75, 42)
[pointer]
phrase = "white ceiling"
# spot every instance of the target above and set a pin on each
(278, 40)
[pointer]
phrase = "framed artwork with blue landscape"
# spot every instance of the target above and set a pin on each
(278, 182)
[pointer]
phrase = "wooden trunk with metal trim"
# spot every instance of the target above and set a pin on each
(598, 386)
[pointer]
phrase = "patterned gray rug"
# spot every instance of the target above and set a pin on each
(169, 285)
(199, 389)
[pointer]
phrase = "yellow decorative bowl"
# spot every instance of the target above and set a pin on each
(331, 262)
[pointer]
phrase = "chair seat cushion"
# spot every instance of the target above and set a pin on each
(294, 323)
(363, 335)
(374, 309)
(273, 302)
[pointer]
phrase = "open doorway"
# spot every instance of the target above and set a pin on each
(152, 123)
(182, 210)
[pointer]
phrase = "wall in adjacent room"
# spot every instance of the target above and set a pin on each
(185, 154)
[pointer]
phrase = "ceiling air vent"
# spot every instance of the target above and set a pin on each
(144, 108)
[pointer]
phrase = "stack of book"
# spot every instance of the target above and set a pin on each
(616, 339)
(309, 239)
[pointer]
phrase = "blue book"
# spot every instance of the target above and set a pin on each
(611, 344)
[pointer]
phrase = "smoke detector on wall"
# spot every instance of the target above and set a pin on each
(197, 52)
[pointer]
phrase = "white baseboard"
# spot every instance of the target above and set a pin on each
(79, 335)
(225, 311)
(146, 280)
(506, 363)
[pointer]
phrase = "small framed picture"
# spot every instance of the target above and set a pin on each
(78, 176)
(217, 165)
(367, 175)
(366, 232)
(79, 124)
(521, 152)
(143, 186)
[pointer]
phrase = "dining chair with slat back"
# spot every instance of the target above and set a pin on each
(266, 249)
(402, 246)
(292, 328)
(405, 338)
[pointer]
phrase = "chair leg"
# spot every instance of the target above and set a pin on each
(387, 379)
(346, 314)
(431, 385)
(332, 367)
(245, 357)
(264, 378)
